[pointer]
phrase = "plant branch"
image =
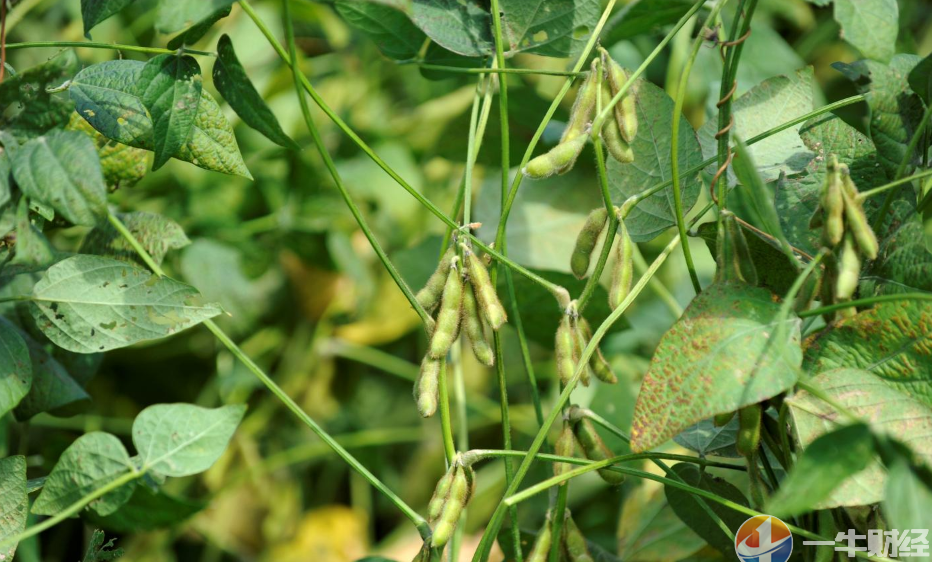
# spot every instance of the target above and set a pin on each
(107, 46)
(867, 301)
(488, 70)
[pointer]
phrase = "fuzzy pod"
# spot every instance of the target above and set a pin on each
(832, 202)
(441, 493)
(451, 313)
(460, 490)
(579, 344)
(474, 328)
(586, 241)
(849, 270)
(564, 349)
(581, 114)
(597, 362)
(596, 450)
(617, 146)
(721, 420)
(486, 297)
(430, 294)
(541, 549)
(749, 421)
(427, 386)
(626, 115)
(559, 159)
(622, 269)
(574, 543)
(565, 446)
(858, 224)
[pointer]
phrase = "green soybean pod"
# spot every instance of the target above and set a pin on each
(579, 343)
(559, 159)
(858, 224)
(541, 549)
(452, 508)
(749, 423)
(832, 202)
(441, 493)
(597, 362)
(617, 146)
(474, 328)
(564, 447)
(427, 386)
(596, 450)
(586, 241)
(849, 270)
(622, 269)
(574, 542)
(626, 109)
(581, 114)
(564, 349)
(486, 297)
(450, 315)
(430, 294)
(721, 420)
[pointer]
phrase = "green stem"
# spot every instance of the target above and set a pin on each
(675, 144)
(559, 515)
(901, 169)
(877, 190)
(108, 46)
(16, 298)
(867, 301)
(446, 427)
(487, 70)
(478, 455)
(71, 509)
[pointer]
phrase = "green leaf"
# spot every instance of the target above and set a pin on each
(461, 27)
(758, 198)
(775, 271)
(727, 351)
(891, 340)
(157, 234)
(98, 551)
(53, 387)
(170, 89)
(825, 463)
(652, 165)
(121, 164)
(29, 109)
(197, 31)
(643, 16)
(231, 81)
(689, 511)
(15, 367)
(62, 170)
(105, 95)
(14, 503)
(96, 11)
(147, 510)
(90, 463)
(708, 439)
(887, 411)
(895, 111)
(907, 501)
(798, 196)
(89, 303)
(650, 531)
(392, 31)
(173, 15)
(905, 261)
(920, 79)
(33, 249)
(183, 439)
(769, 104)
(871, 26)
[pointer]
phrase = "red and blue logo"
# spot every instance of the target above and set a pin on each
(764, 539)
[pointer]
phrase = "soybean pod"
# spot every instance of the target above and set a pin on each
(486, 297)
(586, 241)
(450, 315)
(858, 224)
(849, 270)
(749, 421)
(559, 159)
(430, 294)
(617, 146)
(474, 328)
(581, 114)
(541, 549)
(626, 109)
(564, 447)
(622, 269)
(595, 449)
(427, 386)
(832, 203)
(597, 362)
(579, 344)
(574, 543)
(564, 349)
(460, 490)
(441, 493)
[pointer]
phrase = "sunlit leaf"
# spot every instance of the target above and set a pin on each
(870, 25)
(14, 503)
(170, 89)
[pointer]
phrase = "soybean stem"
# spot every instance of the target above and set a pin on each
(108, 46)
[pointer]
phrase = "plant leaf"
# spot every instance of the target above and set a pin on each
(769, 104)
(29, 109)
(61, 169)
(775, 271)
(652, 165)
(886, 410)
(105, 95)
(905, 262)
(121, 164)
(14, 503)
(824, 464)
(920, 79)
(147, 510)
(52, 386)
(91, 462)
(194, 33)
(892, 340)
(183, 439)
(718, 357)
(907, 499)
(89, 303)
(96, 11)
(170, 89)
(643, 16)
(689, 511)
(157, 234)
(871, 26)
(15, 368)
(98, 551)
(231, 81)
(173, 15)
(391, 30)
(708, 439)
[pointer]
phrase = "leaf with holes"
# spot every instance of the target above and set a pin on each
(121, 164)
(62, 170)
(157, 234)
(183, 439)
(14, 503)
(652, 165)
(89, 303)
(29, 109)
(727, 351)
(91, 462)
(170, 89)
(231, 81)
